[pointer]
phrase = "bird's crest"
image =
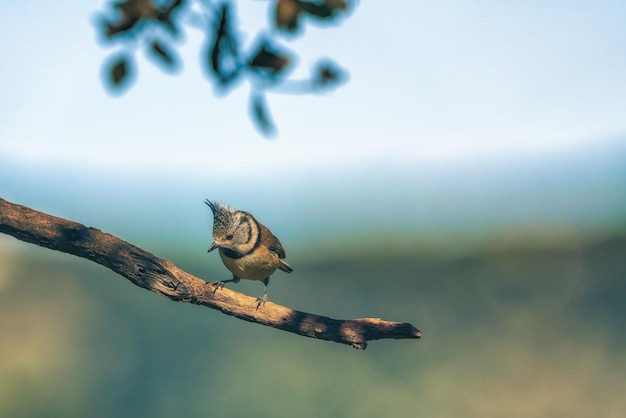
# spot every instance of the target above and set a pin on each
(223, 216)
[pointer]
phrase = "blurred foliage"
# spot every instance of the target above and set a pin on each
(513, 331)
(156, 26)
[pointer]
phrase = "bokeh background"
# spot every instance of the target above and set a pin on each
(470, 178)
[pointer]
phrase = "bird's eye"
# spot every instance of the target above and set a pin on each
(229, 237)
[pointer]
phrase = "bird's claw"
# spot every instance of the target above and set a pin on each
(260, 301)
(218, 285)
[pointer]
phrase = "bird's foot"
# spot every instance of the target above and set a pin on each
(218, 285)
(260, 301)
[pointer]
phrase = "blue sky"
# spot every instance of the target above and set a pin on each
(442, 85)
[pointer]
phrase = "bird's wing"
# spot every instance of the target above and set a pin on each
(272, 243)
(276, 247)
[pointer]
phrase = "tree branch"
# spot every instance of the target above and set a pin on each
(163, 278)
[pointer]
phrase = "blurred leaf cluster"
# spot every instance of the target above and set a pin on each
(156, 26)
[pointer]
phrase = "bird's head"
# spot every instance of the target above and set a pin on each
(231, 228)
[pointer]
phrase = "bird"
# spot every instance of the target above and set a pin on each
(247, 247)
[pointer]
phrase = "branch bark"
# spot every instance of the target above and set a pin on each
(162, 277)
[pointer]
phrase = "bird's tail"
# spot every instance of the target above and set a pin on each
(284, 266)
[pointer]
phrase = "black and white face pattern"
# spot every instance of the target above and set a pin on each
(233, 230)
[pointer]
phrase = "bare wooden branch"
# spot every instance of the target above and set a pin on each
(162, 277)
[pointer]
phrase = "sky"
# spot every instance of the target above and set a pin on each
(436, 88)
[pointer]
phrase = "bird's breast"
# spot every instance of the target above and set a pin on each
(257, 265)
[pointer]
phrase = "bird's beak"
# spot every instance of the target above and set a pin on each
(213, 246)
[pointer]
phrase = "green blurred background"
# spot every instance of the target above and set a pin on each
(518, 320)
(485, 203)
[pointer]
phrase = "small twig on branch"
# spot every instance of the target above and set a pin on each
(163, 278)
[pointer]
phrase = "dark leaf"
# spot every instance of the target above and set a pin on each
(166, 20)
(223, 54)
(134, 7)
(324, 10)
(113, 29)
(165, 16)
(337, 5)
(162, 53)
(131, 12)
(119, 71)
(120, 27)
(327, 74)
(261, 116)
(317, 10)
(216, 53)
(288, 12)
(286, 15)
(270, 60)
